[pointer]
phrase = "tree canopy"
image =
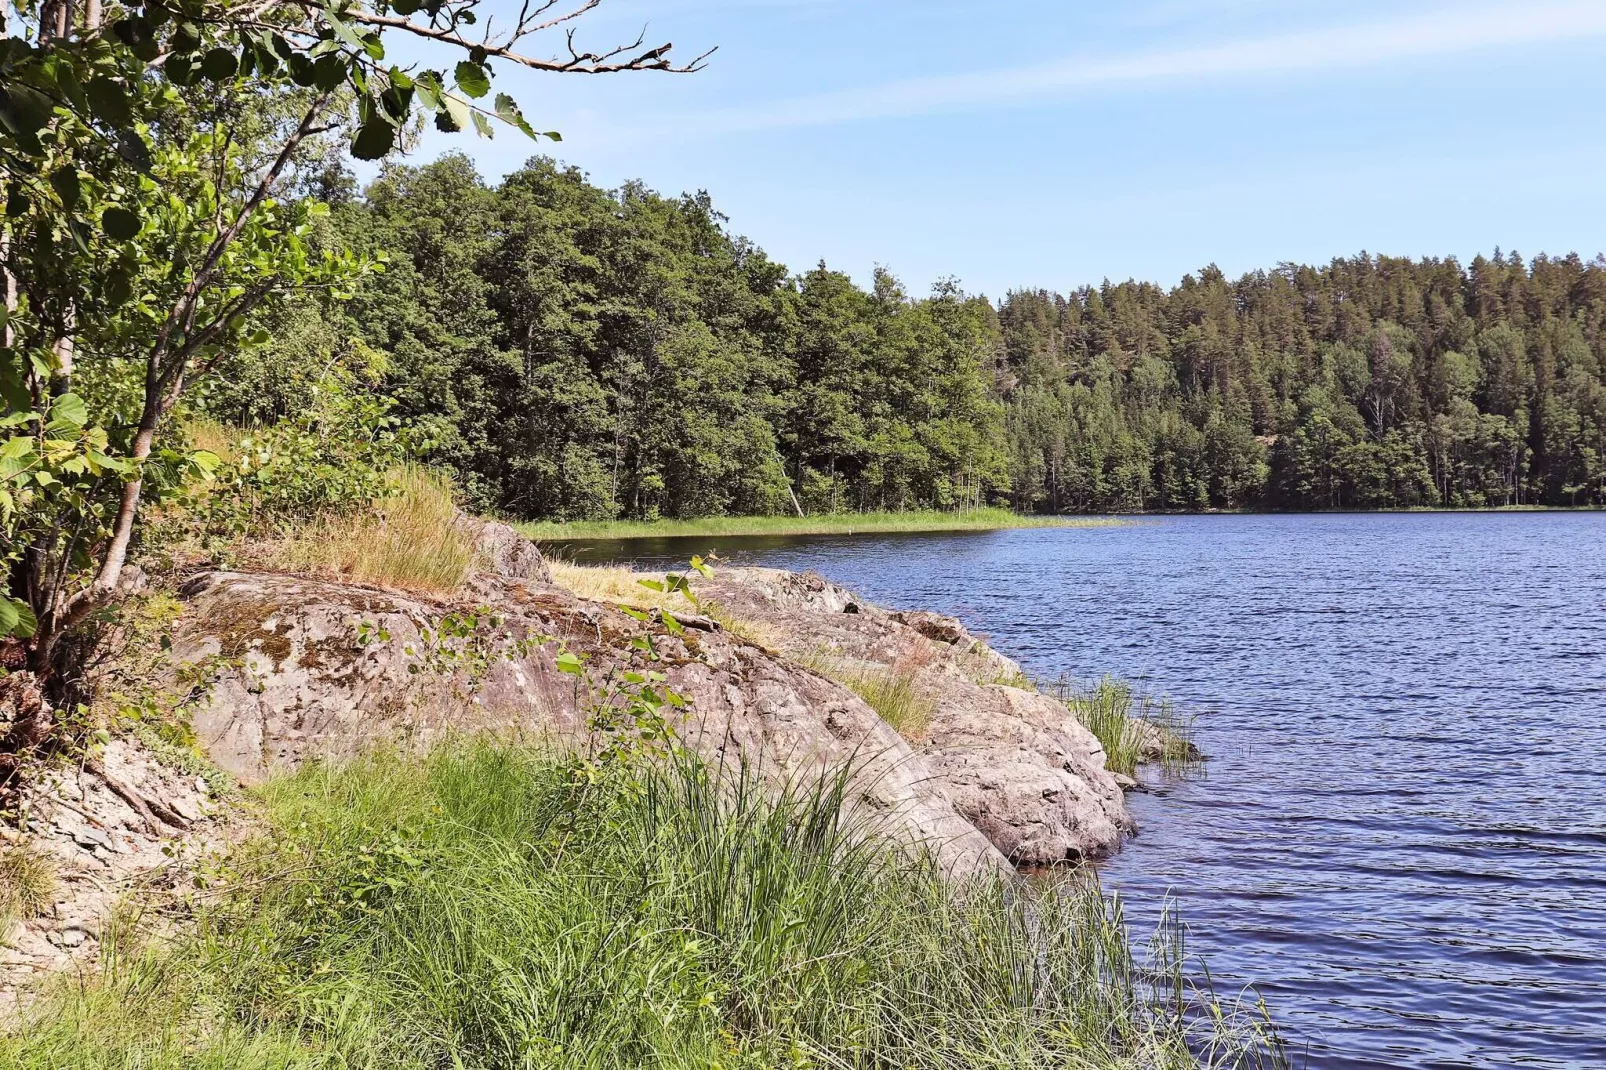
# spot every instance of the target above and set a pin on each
(591, 353)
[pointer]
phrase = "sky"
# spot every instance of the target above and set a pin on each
(1056, 143)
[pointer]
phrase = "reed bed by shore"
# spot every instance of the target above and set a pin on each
(485, 907)
(831, 524)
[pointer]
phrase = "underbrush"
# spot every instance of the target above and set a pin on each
(482, 908)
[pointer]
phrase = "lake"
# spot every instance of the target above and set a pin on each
(1401, 836)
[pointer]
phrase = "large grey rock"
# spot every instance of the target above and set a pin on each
(504, 554)
(303, 668)
(1015, 763)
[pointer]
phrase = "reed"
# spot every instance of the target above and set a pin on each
(1133, 730)
(479, 908)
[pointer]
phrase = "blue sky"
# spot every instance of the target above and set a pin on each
(1041, 143)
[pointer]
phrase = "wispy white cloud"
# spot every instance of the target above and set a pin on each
(1311, 51)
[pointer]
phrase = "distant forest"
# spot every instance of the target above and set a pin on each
(574, 352)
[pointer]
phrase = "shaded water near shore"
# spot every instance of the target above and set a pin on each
(1401, 838)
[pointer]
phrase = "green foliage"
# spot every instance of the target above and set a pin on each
(151, 155)
(992, 519)
(602, 354)
(481, 908)
(1375, 382)
(336, 453)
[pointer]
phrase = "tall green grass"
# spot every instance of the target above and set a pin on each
(477, 909)
(1132, 729)
(825, 524)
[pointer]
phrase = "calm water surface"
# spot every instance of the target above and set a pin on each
(1401, 839)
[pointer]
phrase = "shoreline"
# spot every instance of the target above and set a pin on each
(928, 522)
(782, 526)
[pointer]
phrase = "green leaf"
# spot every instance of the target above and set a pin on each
(329, 71)
(482, 125)
(405, 7)
(374, 140)
(10, 615)
(674, 626)
(205, 462)
(24, 110)
(120, 224)
(132, 147)
(220, 64)
(65, 182)
(186, 38)
(508, 111)
(345, 32)
(652, 585)
(570, 664)
(429, 89)
(455, 116)
(118, 289)
(301, 69)
(69, 409)
(473, 79)
(27, 624)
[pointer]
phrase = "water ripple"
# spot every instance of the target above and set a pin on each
(1402, 836)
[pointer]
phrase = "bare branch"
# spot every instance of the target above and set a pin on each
(655, 59)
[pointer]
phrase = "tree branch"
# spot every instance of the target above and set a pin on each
(655, 59)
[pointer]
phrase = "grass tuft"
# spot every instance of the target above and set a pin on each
(28, 883)
(412, 540)
(1133, 730)
(891, 692)
(616, 584)
(479, 907)
(829, 524)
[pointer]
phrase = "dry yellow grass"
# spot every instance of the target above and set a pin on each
(892, 691)
(413, 540)
(212, 436)
(621, 586)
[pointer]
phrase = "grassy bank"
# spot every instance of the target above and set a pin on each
(835, 524)
(479, 909)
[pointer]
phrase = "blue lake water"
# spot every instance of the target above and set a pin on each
(1401, 836)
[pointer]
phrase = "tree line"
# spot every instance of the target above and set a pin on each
(586, 353)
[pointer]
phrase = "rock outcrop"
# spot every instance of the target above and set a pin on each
(1016, 764)
(305, 668)
(297, 668)
(104, 829)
